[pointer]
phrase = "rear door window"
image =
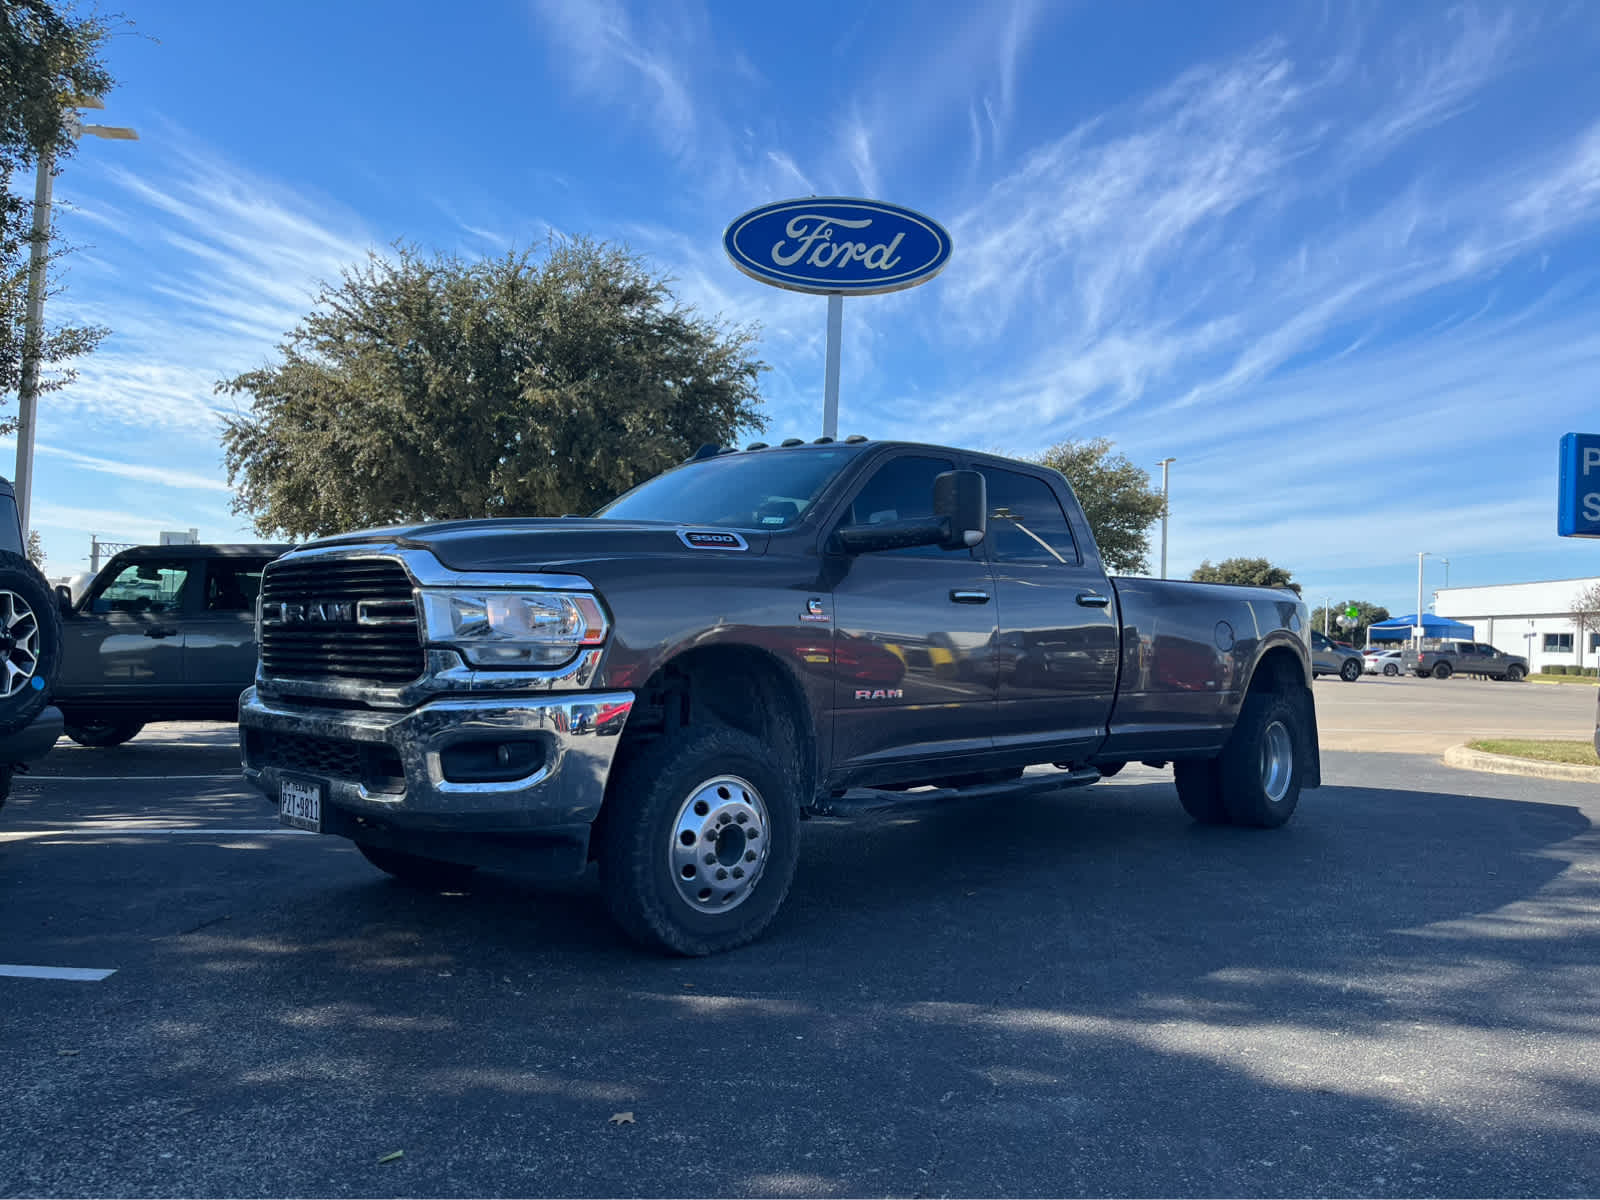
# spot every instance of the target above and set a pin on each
(1026, 524)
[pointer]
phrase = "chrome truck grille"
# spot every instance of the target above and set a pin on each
(346, 618)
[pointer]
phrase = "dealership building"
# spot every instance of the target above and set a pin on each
(1531, 619)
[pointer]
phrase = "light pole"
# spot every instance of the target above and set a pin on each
(1327, 604)
(1416, 630)
(1446, 563)
(33, 328)
(1165, 463)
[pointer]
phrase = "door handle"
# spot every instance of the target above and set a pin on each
(157, 631)
(961, 597)
(1094, 600)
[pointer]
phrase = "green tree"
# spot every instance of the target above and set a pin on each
(1116, 496)
(35, 549)
(47, 58)
(423, 388)
(1257, 572)
(1367, 615)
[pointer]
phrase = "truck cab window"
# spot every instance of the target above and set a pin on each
(1026, 524)
(900, 490)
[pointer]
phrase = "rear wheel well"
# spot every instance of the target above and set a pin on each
(1279, 670)
(736, 686)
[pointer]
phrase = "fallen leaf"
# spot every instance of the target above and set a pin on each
(68, 1053)
(391, 1157)
(622, 1118)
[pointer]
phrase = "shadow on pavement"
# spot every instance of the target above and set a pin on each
(1081, 994)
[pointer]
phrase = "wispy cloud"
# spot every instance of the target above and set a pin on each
(596, 42)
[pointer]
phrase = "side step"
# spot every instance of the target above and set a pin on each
(860, 801)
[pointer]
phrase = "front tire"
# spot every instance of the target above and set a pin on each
(1351, 671)
(103, 732)
(699, 841)
(428, 874)
(30, 642)
(1516, 673)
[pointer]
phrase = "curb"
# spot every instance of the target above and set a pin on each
(1504, 764)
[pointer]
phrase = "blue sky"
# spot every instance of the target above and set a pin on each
(1338, 259)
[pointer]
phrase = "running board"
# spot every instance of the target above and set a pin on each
(860, 801)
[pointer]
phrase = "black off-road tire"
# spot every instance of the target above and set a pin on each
(1516, 673)
(102, 732)
(1107, 770)
(1350, 671)
(648, 800)
(1263, 765)
(1199, 783)
(30, 642)
(1441, 671)
(429, 874)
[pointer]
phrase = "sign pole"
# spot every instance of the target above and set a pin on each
(830, 387)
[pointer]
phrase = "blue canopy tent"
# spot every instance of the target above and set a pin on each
(1398, 629)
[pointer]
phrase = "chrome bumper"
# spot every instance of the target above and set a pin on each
(278, 739)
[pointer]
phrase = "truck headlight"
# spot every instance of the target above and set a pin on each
(491, 628)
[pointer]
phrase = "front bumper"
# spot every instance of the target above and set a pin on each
(389, 768)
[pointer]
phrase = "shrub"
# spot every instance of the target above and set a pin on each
(1554, 671)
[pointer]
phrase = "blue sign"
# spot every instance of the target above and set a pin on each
(1578, 509)
(837, 246)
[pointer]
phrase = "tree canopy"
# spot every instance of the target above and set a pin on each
(47, 58)
(1256, 572)
(1116, 496)
(423, 388)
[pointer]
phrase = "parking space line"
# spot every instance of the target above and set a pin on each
(127, 778)
(87, 830)
(79, 974)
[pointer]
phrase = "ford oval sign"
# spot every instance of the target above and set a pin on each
(838, 246)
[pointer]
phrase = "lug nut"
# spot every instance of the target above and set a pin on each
(749, 856)
(722, 873)
(738, 872)
(711, 860)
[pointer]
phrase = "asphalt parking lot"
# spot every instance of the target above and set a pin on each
(1083, 993)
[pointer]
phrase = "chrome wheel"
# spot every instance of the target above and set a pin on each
(19, 644)
(1277, 761)
(719, 844)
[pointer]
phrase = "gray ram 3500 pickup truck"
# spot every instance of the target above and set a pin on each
(746, 640)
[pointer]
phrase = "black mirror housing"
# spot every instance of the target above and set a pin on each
(64, 599)
(961, 498)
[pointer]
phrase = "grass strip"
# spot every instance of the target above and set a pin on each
(1581, 753)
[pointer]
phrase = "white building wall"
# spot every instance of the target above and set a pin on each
(1519, 618)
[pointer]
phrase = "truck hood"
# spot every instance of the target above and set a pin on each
(546, 543)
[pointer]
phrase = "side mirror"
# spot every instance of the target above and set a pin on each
(64, 599)
(962, 499)
(960, 519)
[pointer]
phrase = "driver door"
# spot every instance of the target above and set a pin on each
(914, 680)
(126, 639)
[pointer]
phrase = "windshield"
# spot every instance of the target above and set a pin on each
(763, 491)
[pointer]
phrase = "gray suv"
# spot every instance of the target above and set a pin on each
(1330, 658)
(164, 633)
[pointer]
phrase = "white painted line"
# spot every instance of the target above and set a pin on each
(120, 830)
(127, 778)
(80, 974)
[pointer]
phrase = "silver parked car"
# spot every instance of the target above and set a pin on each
(1330, 658)
(1384, 662)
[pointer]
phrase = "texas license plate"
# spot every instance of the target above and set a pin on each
(300, 804)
